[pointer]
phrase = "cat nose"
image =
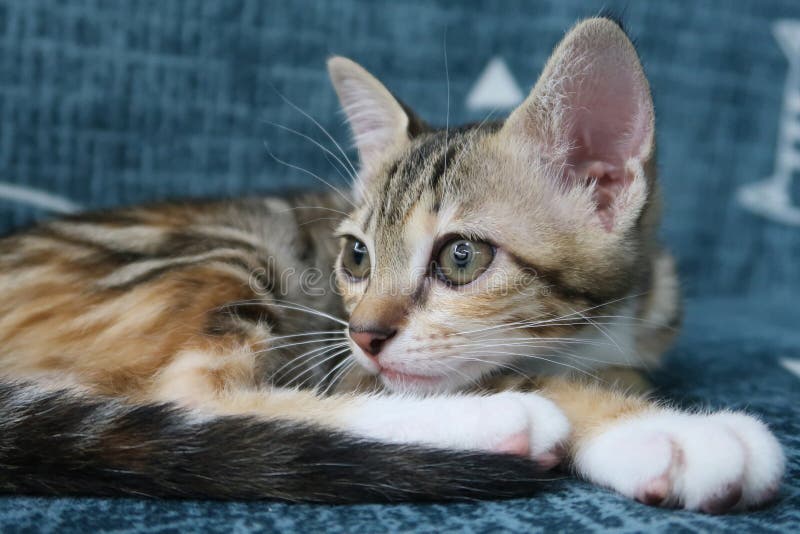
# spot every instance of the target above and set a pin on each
(371, 340)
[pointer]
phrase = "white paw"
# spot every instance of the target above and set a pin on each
(524, 424)
(711, 463)
(548, 429)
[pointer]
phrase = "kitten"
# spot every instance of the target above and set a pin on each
(174, 350)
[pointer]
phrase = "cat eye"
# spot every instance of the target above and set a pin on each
(355, 259)
(460, 260)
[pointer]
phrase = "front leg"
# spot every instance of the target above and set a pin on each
(494, 418)
(510, 422)
(710, 462)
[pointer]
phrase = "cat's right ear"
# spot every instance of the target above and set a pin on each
(590, 117)
(379, 122)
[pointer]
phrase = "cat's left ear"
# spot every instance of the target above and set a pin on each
(590, 119)
(379, 121)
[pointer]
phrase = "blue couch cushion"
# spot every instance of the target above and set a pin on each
(109, 102)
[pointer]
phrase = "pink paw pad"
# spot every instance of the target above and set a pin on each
(517, 445)
(723, 501)
(655, 492)
(550, 459)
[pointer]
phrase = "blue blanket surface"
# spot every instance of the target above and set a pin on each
(110, 102)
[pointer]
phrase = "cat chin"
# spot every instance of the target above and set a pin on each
(407, 382)
(422, 387)
(391, 375)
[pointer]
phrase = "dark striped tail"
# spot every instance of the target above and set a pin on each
(59, 443)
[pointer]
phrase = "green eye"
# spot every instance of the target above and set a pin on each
(460, 261)
(355, 259)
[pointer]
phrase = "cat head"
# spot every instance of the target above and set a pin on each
(475, 249)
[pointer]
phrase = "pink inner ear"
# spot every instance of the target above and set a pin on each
(609, 181)
(605, 110)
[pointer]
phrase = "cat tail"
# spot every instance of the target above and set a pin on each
(60, 443)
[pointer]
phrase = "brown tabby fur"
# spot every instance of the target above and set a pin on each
(186, 303)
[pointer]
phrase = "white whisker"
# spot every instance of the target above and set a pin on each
(542, 358)
(278, 303)
(325, 149)
(344, 214)
(306, 334)
(603, 331)
(543, 341)
(342, 373)
(309, 173)
(316, 365)
(508, 366)
(545, 321)
(346, 361)
(322, 129)
(308, 355)
(287, 345)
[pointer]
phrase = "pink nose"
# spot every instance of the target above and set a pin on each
(371, 340)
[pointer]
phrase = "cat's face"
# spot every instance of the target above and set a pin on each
(477, 249)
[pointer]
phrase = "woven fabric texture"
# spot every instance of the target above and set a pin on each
(113, 102)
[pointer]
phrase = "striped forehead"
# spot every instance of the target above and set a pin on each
(427, 170)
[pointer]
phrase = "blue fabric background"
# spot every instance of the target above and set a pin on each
(109, 102)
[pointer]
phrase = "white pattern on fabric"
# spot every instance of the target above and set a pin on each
(770, 197)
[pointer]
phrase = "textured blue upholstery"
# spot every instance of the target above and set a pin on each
(109, 102)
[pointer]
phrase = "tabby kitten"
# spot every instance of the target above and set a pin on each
(163, 350)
